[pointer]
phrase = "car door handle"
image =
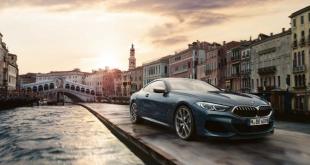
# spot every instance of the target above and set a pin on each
(147, 95)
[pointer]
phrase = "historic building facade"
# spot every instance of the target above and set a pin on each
(132, 81)
(12, 71)
(8, 69)
(300, 41)
(27, 78)
(155, 69)
(211, 71)
(223, 63)
(271, 63)
(102, 81)
(245, 67)
(184, 64)
(75, 76)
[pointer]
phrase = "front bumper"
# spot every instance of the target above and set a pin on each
(227, 125)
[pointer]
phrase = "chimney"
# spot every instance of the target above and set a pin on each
(283, 30)
(250, 38)
(224, 42)
(271, 34)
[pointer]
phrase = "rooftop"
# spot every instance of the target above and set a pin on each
(296, 13)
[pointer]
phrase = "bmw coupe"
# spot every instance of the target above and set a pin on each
(194, 107)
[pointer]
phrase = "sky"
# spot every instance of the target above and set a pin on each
(49, 35)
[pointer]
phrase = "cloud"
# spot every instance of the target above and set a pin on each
(181, 16)
(170, 40)
(185, 15)
(54, 5)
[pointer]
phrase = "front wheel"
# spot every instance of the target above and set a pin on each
(184, 123)
(134, 118)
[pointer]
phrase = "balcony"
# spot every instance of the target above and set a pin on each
(266, 88)
(298, 69)
(294, 44)
(235, 75)
(302, 42)
(245, 72)
(267, 70)
(235, 58)
(302, 87)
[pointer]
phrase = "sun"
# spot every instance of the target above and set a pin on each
(107, 60)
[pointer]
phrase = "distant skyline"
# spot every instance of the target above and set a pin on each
(49, 35)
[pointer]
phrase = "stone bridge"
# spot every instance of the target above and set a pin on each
(55, 89)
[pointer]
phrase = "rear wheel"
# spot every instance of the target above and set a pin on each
(134, 118)
(184, 123)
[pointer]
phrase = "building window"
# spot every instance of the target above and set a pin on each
(303, 80)
(309, 17)
(302, 34)
(288, 80)
(294, 22)
(294, 60)
(279, 81)
(302, 19)
(298, 59)
(302, 57)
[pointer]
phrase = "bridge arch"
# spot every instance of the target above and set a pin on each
(35, 89)
(40, 88)
(45, 87)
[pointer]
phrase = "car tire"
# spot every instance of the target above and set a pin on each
(184, 123)
(134, 118)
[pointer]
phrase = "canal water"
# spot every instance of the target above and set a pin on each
(58, 135)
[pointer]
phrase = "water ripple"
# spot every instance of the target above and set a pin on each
(58, 135)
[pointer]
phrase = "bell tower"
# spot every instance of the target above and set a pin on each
(132, 58)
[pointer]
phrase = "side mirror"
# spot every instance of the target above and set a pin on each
(159, 90)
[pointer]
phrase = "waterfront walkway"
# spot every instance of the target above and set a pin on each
(284, 147)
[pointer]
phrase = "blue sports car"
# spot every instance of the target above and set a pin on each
(193, 107)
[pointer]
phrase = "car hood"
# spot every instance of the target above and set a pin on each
(225, 98)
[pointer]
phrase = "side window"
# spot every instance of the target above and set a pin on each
(156, 84)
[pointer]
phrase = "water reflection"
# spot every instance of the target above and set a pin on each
(58, 135)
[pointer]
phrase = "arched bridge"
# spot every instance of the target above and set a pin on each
(52, 89)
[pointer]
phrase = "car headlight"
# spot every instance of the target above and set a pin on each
(212, 106)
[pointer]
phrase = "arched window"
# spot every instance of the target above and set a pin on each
(72, 87)
(67, 86)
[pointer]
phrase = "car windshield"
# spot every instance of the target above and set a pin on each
(191, 85)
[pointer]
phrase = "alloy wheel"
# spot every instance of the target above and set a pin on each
(184, 122)
(133, 113)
